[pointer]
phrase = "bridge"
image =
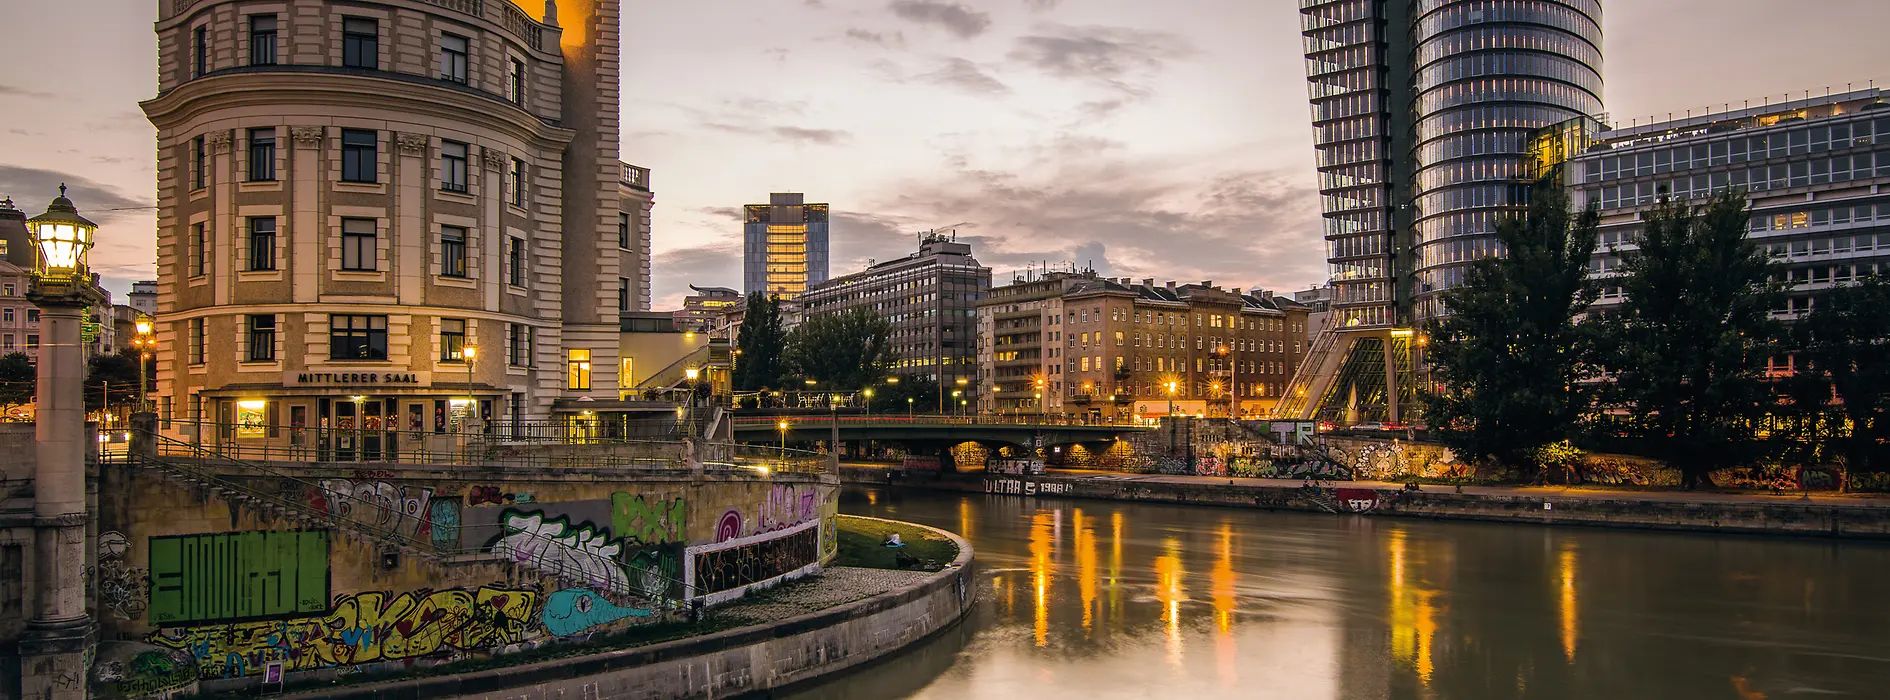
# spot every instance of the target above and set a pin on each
(929, 433)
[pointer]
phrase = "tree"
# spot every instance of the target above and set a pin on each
(761, 346)
(1510, 356)
(1688, 345)
(1844, 349)
(18, 380)
(119, 374)
(849, 350)
(891, 398)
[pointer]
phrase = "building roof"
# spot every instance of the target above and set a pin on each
(1258, 301)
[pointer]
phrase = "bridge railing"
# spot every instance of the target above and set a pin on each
(808, 421)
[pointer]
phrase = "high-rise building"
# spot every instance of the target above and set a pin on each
(1816, 172)
(1423, 114)
(930, 297)
(784, 245)
(389, 215)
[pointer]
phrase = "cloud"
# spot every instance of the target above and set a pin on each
(15, 91)
(1118, 58)
(32, 188)
(714, 265)
(886, 39)
(950, 16)
(865, 237)
(752, 117)
(1041, 5)
(824, 137)
(962, 74)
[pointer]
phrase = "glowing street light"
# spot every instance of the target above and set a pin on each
(782, 426)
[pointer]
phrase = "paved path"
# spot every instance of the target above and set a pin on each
(835, 586)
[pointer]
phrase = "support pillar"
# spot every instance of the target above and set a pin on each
(56, 648)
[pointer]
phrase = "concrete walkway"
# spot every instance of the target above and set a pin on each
(833, 587)
(1874, 500)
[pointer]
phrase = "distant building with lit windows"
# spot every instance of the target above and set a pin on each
(784, 245)
(702, 310)
(930, 297)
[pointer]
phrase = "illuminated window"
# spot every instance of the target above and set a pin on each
(578, 366)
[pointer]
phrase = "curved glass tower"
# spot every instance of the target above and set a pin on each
(1487, 75)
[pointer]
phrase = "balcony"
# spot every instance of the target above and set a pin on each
(635, 177)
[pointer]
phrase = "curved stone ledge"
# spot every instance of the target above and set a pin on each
(741, 661)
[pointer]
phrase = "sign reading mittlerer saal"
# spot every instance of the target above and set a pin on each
(344, 379)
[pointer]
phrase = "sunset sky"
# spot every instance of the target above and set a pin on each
(1150, 139)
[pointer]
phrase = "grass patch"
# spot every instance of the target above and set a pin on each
(862, 544)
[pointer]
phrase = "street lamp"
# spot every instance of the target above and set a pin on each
(908, 408)
(869, 402)
(1171, 397)
(691, 373)
(144, 342)
(782, 426)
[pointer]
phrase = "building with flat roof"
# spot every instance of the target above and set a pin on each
(930, 297)
(1816, 172)
(701, 310)
(784, 245)
(1020, 366)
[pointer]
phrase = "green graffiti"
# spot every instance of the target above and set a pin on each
(648, 521)
(236, 576)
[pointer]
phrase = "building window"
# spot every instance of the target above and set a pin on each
(518, 182)
(199, 249)
(518, 345)
(357, 337)
(6, 316)
(32, 316)
(453, 58)
(623, 294)
(360, 43)
(199, 164)
(32, 340)
(262, 40)
(623, 230)
(578, 364)
(200, 52)
(452, 251)
(515, 82)
(195, 328)
(262, 155)
(452, 166)
(262, 338)
(515, 258)
(358, 155)
(452, 340)
(358, 249)
(262, 243)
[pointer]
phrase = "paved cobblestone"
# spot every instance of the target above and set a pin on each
(835, 586)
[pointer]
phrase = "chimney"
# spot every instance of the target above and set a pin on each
(1148, 281)
(1207, 283)
(1237, 291)
(1171, 285)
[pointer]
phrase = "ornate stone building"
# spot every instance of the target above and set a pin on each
(350, 195)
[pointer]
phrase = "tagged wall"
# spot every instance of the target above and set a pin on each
(492, 562)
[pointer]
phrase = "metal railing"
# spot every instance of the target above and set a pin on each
(814, 420)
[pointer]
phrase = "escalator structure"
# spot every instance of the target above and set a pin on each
(1354, 375)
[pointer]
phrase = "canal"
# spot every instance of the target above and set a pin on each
(1097, 599)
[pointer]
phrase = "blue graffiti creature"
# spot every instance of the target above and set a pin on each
(575, 610)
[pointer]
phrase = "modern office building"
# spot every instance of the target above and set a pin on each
(355, 197)
(702, 310)
(784, 245)
(930, 297)
(1816, 172)
(1422, 117)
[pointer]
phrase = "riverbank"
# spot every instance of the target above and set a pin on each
(844, 617)
(1786, 514)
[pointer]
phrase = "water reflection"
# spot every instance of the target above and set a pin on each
(1225, 603)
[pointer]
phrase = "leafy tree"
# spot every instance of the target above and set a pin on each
(1510, 356)
(118, 373)
(891, 398)
(18, 379)
(849, 350)
(1689, 344)
(762, 345)
(1844, 349)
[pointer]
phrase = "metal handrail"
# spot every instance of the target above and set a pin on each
(816, 420)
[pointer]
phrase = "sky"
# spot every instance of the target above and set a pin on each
(1147, 139)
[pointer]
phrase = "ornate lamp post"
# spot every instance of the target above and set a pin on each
(60, 631)
(145, 343)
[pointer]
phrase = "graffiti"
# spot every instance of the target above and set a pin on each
(1024, 488)
(402, 508)
(1356, 500)
(362, 628)
(205, 578)
(729, 526)
(491, 495)
(655, 573)
(443, 515)
(577, 553)
(829, 536)
(370, 474)
(749, 563)
(649, 521)
(786, 507)
(1379, 461)
(121, 589)
(575, 610)
(154, 673)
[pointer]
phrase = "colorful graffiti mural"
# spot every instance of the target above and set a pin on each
(729, 526)
(443, 515)
(733, 567)
(494, 496)
(153, 673)
(648, 519)
(206, 578)
(786, 507)
(121, 588)
(580, 553)
(402, 508)
(576, 610)
(362, 628)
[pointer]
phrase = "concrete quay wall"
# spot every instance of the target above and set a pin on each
(1866, 520)
(747, 661)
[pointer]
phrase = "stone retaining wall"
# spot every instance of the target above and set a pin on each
(738, 662)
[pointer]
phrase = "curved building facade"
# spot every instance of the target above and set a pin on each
(1487, 74)
(350, 195)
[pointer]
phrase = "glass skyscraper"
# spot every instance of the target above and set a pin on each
(1423, 111)
(784, 246)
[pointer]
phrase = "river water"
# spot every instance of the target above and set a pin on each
(1099, 599)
